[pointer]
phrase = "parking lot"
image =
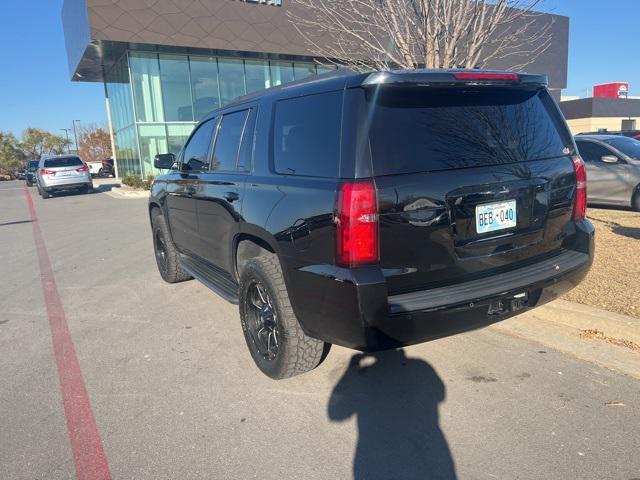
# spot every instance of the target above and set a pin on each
(174, 394)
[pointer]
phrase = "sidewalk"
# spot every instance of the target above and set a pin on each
(113, 188)
(562, 324)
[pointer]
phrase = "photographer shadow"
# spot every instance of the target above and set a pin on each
(395, 400)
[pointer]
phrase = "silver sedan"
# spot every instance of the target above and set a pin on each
(613, 169)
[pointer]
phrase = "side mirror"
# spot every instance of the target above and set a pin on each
(609, 159)
(164, 160)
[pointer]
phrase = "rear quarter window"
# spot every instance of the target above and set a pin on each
(306, 135)
(428, 129)
(63, 162)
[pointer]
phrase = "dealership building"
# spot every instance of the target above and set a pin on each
(166, 63)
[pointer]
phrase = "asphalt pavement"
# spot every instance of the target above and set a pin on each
(173, 392)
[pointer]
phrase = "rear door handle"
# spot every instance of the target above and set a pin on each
(231, 196)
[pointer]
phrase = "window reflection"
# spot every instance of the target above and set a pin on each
(145, 73)
(153, 140)
(281, 72)
(176, 91)
(302, 70)
(204, 84)
(231, 79)
(256, 75)
(177, 135)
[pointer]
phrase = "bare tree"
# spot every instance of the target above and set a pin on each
(94, 143)
(382, 34)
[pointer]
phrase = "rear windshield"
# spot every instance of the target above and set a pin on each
(62, 162)
(427, 129)
(626, 145)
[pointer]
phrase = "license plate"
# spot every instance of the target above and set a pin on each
(491, 217)
(65, 173)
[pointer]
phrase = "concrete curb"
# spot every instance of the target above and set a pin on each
(558, 325)
(122, 193)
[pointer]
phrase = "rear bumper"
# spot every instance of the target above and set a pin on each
(350, 307)
(75, 184)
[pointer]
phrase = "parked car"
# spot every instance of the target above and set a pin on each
(95, 168)
(613, 169)
(63, 173)
(375, 210)
(21, 174)
(31, 172)
(108, 168)
(102, 168)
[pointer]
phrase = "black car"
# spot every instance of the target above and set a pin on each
(376, 210)
(30, 172)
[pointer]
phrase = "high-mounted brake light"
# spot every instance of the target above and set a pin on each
(580, 201)
(485, 76)
(84, 168)
(44, 171)
(357, 224)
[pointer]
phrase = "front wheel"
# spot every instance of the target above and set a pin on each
(277, 343)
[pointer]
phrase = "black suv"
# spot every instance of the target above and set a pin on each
(376, 210)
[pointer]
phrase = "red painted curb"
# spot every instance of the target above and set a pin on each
(86, 446)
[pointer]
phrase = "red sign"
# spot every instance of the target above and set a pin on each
(611, 90)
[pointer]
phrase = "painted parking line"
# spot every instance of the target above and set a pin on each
(86, 446)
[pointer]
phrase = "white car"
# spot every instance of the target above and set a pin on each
(95, 168)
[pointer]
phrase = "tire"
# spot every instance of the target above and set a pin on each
(44, 194)
(29, 184)
(88, 189)
(635, 200)
(100, 173)
(167, 262)
(295, 352)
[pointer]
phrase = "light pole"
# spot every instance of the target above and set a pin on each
(75, 135)
(66, 131)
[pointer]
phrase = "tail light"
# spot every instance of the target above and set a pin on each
(580, 201)
(485, 76)
(357, 224)
(44, 171)
(84, 168)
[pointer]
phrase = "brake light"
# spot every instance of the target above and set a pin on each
(44, 171)
(357, 224)
(580, 201)
(84, 168)
(485, 76)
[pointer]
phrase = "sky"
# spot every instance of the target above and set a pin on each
(36, 91)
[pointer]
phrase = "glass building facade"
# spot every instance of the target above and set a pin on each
(155, 99)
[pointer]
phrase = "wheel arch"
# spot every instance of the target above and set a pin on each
(247, 246)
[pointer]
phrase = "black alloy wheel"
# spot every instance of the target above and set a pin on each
(160, 248)
(262, 321)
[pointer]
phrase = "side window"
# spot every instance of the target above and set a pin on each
(197, 149)
(246, 147)
(592, 152)
(307, 135)
(225, 153)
